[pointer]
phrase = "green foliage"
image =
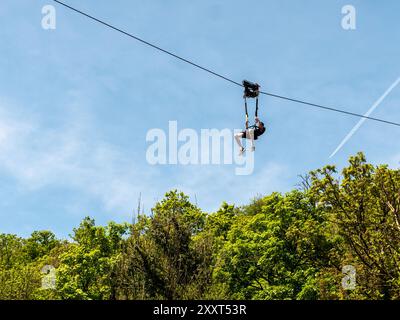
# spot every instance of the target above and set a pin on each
(161, 259)
(21, 262)
(290, 246)
(10, 251)
(364, 206)
(277, 252)
(86, 269)
(40, 243)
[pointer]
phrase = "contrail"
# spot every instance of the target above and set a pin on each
(360, 123)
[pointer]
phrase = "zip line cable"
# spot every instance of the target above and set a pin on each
(330, 109)
(217, 74)
(147, 43)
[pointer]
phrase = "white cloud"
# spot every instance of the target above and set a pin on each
(38, 157)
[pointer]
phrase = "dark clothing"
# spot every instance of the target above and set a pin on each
(257, 133)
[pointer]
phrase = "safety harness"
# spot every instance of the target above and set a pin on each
(251, 90)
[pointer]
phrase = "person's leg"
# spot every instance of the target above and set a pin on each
(238, 138)
(251, 137)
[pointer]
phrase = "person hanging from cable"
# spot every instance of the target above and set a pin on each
(252, 133)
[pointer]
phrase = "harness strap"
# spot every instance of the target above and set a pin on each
(251, 90)
(257, 107)
(247, 114)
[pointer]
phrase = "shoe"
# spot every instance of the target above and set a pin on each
(241, 152)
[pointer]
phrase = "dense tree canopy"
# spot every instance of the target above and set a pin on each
(298, 245)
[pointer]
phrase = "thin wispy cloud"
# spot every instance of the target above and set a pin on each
(40, 158)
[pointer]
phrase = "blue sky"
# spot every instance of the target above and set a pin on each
(76, 102)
